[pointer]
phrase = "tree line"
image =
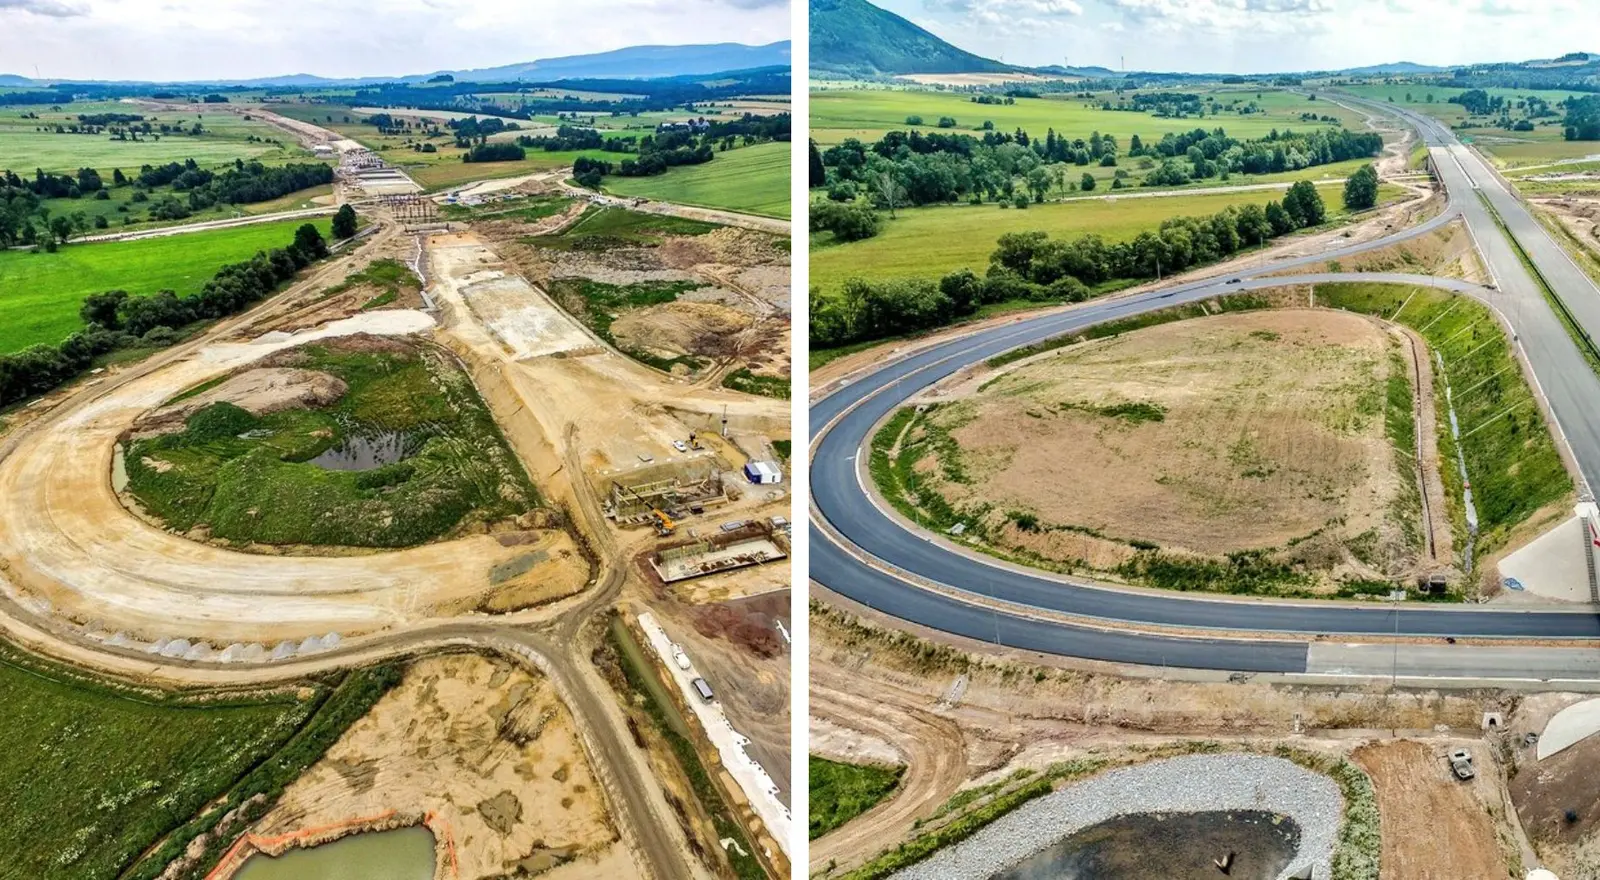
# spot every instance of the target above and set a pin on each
(1032, 266)
(115, 319)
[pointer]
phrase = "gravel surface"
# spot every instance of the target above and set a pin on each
(1189, 784)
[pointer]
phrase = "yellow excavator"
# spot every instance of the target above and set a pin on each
(664, 524)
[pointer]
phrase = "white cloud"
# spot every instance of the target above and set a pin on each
(52, 8)
(238, 39)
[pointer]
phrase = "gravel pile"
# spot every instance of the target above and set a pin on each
(1189, 784)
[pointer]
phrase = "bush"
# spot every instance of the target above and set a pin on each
(913, 120)
(850, 221)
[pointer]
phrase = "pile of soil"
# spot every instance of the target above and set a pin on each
(260, 391)
(703, 329)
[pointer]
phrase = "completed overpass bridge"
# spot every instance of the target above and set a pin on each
(865, 553)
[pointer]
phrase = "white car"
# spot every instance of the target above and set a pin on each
(680, 446)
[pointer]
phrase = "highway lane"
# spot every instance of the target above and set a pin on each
(842, 423)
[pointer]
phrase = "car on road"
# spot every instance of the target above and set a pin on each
(1234, 280)
(680, 446)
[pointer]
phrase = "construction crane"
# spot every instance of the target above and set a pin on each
(664, 524)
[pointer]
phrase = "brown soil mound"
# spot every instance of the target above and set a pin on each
(260, 391)
(704, 329)
(730, 245)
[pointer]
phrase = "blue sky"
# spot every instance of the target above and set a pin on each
(240, 39)
(1256, 36)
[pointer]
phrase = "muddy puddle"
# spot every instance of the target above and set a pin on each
(401, 854)
(365, 453)
(1172, 846)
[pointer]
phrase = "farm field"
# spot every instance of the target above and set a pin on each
(40, 292)
(868, 113)
(23, 148)
(931, 241)
(750, 179)
(93, 775)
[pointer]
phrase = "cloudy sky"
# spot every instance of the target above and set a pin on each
(240, 39)
(1256, 36)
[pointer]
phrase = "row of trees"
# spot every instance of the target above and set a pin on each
(1033, 266)
(916, 168)
(501, 152)
(115, 319)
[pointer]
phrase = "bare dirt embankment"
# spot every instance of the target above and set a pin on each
(965, 720)
(489, 753)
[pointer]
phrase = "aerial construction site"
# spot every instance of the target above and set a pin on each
(415, 519)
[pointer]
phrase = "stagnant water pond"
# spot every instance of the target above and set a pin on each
(368, 452)
(401, 854)
(1173, 846)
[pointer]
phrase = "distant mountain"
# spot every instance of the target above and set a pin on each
(1087, 72)
(853, 36)
(1398, 68)
(634, 62)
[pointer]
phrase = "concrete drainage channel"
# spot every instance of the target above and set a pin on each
(1188, 784)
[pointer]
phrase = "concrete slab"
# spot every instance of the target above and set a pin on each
(1552, 565)
(1570, 726)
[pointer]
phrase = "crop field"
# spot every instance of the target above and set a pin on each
(866, 114)
(40, 292)
(252, 478)
(23, 148)
(841, 792)
(931, 241)
(94, 774)
(754, 180)
(119, 208)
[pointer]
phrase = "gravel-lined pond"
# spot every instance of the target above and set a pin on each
(1192, 784)
(1173, 846)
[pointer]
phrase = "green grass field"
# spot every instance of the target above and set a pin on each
(754, 180)
(929, 242)
(251, 478)
(23, 148)
(841, 792)
(92, 773)
(866, 114)
(40, 293)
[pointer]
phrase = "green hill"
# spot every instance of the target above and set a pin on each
(855, 37)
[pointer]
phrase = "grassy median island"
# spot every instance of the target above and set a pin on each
(360, 442)
(1250, 449)
(97, 776)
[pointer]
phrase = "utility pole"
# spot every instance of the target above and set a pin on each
(724, 421)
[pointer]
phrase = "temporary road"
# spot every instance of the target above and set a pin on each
(866, 553)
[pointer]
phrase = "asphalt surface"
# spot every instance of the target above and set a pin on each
(866, 554)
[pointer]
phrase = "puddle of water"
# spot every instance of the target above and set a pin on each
(366, 453)
(401, 854)
(1173, 846)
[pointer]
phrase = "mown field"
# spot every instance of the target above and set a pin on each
(92, 774)
(251, 479)
(40, 293)
(929, 242)
(754, 180)
(841, 792)
(866, 114)
(23, 148)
